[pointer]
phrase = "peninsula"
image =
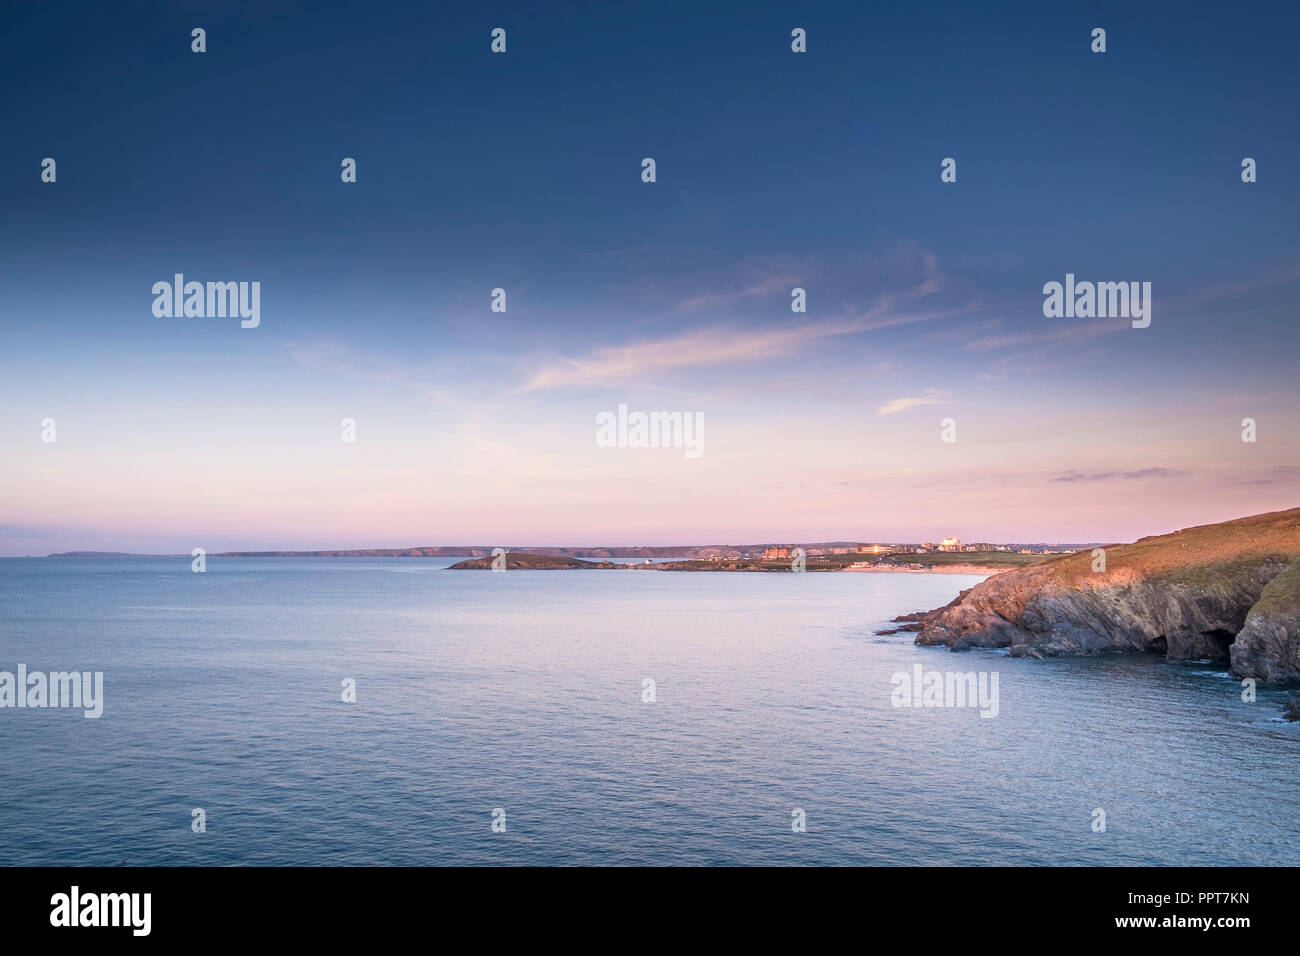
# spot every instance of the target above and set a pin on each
(1227, 592)
(992, 563)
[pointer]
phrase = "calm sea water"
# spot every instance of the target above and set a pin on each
(523, 691)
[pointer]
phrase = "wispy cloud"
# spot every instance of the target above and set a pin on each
(716, 299)
(932, 396)
(728, 345)
(722, 345)
(338, 358)
(1121, 475)
(329, 355)
(1240, 288)
(1284, 474)
(1065, 335)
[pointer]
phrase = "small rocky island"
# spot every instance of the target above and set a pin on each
(533, 562)
(1225, 592)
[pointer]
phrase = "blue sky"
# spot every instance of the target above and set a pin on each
(522, 171)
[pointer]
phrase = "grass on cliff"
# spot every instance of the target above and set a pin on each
(1197, 556)
(1282, 596)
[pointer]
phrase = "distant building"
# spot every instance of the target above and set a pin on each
(776, 553)
(928, 546)
(950, 544)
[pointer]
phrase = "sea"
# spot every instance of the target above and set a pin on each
(362, 711)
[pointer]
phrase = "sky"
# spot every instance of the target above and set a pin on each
(522, 170)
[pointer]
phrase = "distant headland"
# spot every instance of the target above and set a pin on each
(891, 561)
(947, 556)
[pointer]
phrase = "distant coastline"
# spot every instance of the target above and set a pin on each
(747, 558)
(892, 563)
(816, 556)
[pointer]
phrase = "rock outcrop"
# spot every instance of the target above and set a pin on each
(1190, 595)
(1291, 709)
(1268, 647)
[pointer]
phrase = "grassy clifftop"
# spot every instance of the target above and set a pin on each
(1282, 596)
(1195, 556)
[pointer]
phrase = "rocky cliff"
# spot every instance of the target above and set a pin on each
(1227, 592)
(1268, 646)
